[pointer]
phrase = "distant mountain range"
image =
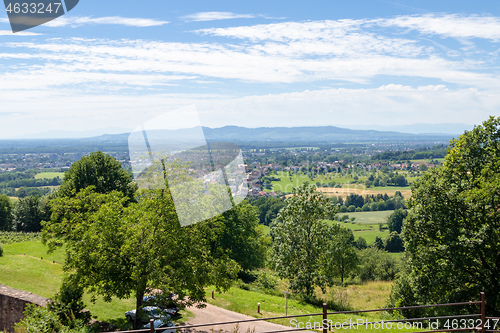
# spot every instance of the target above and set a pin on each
(421, 128)
(279, 134)
(275, 136)
(236, 133)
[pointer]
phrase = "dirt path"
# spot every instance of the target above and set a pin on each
(214, 314)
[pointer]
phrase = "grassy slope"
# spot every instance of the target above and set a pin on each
(367, 296)
(43, 277)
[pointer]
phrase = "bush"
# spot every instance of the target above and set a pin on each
(41, 320)
(376, 265)
(68, 305)
(1, 251)
(394, 243)
(267, 281)
(360, 243)
(38, 320)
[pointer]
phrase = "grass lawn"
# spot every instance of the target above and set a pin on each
(49, 175)
(43, 277)
(370, 217)
(366, 296)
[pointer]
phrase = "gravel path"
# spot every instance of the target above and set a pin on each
(214, 314)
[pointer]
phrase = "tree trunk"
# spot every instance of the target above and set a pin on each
(139, 295)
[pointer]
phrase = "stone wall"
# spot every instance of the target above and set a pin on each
(12, 303)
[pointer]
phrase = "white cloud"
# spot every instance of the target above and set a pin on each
(388, 75)
(22, 33)
(389, 105)
(454, 26)
(64, 21)
(213, 16)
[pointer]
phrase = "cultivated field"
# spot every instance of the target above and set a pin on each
(49, 175)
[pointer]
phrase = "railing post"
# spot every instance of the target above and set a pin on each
(325, 319)
(482, 311)
(152, 325)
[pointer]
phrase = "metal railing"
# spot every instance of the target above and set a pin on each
(481, 324)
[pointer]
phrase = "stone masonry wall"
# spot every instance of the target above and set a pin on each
(12, 303)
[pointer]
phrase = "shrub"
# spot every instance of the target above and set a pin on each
(38, 320)
(267, 281)
(376, 265)
(68, 305)
(1, 251)
(360, 243)
(394, 243)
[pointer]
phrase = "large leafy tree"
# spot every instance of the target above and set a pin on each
(339, 257)
(395, 220)
(118, 249)
(5, 213)
(29, 212)
(300, 236)
(100, 170)
(241, 236)
(452, 232)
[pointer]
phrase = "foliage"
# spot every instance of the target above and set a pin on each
(268, 207)
(452, 232)
(118, 249)
(376, 265)
(29, 213)
(394, 243)
(5, 213)
(378, 243)
(8, 237)
(242, 237)
(68, 304)
(1, 250)
(300, 236)
(267, 281)
(395, 220)
(39, 319)
(360, 243)
(339, 257)
(100, 170)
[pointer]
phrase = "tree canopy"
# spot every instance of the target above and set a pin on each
(100, 170)
(452, 232)
(5, 213)
(114, 249)
(300, 236)
(395, 220)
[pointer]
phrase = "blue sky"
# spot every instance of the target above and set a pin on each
(115, 64)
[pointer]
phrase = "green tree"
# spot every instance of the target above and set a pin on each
(378, 243)
(339, 257)
(452, 232)
(300, 235)
(5, 213)
(394, 243)
(117, 248)
(360, 243)
(28, 214)
(100, 170)
(241, 236)
(395, 220)
(68, 304)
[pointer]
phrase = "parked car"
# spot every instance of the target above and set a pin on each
(149, 312)
(167, 304)
(161, 323)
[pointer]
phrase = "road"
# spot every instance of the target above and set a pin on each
(214, 314)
